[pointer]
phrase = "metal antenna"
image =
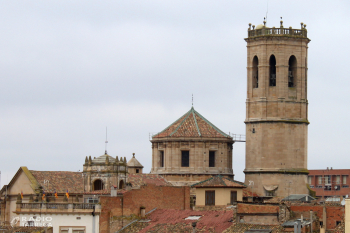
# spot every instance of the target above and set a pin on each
(192, 100)
(106, 142)
(267, 10)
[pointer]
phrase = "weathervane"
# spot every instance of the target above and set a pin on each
(106, 142)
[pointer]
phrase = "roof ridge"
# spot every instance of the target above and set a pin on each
(211, 124)
(171, 124)
(195, 121)
(181, 122)
(201, 182)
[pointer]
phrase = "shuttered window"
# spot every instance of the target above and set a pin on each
(233, 196)
(209, 197)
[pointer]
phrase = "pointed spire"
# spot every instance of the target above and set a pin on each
(116, 159)
(86, 160)
(133, 155)
(90, 160)
(124, 160)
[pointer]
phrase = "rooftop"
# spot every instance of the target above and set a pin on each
(192, 124)
(263, 31)
(137, 180)
(175, 221)
(219, 181)
(133, 162)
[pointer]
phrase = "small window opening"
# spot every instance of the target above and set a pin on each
(338, 222)
(211, 158)
(272, 71)
(270, 193)
(255, 72)
(121, 184)
(161, 158)
(98, 185)
(185, 158)
(292, 67)
(137, 170)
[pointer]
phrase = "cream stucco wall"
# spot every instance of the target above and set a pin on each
(347, 215)
(66, 221)
(222, 195)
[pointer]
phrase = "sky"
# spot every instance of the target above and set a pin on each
(69, 69)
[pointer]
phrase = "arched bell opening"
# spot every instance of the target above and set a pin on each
(272, 73)
(292, 71)
(255, 72)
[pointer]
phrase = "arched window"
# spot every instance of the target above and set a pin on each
(255, 71)
(98, 184)
(121, 184)
(272, 71)
(292, 71)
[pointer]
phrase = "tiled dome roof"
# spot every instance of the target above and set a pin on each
(192, 124)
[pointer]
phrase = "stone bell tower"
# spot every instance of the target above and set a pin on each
(276, 110)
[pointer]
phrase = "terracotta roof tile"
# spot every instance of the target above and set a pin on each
(174, 221)
(60, 181)
(219, 181)
(192, 124)
(242, 227)
(144, 179)
(248, 193)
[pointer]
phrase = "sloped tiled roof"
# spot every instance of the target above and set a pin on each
(133, 162)
(102, 159)
(137, 180)
(174, 221)
(248, 193)
(243, 227)
(219, 181)
(60, 181)
(192, 124)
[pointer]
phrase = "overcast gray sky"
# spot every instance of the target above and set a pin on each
(71, 68)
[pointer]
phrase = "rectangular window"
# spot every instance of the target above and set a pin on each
(185, 158)
(161, 158)
(209, 197)
(319, 179)
(233, 196)
(337, 179)
(137, 171)
(211, 158)
(345, 179)
(327, 179)
(309, 179)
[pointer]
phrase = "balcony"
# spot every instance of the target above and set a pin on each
(57, 208)
(287, 32)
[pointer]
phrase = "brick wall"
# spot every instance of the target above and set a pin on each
(253, 208)
(150, 196)
(334, 213)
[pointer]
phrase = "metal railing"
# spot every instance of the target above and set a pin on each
(278, 32)
(83, 206)
(57, 206)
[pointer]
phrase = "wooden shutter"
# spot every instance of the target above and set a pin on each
(233, 196)
(209, 197)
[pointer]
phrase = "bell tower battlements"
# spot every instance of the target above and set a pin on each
(276, 109)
